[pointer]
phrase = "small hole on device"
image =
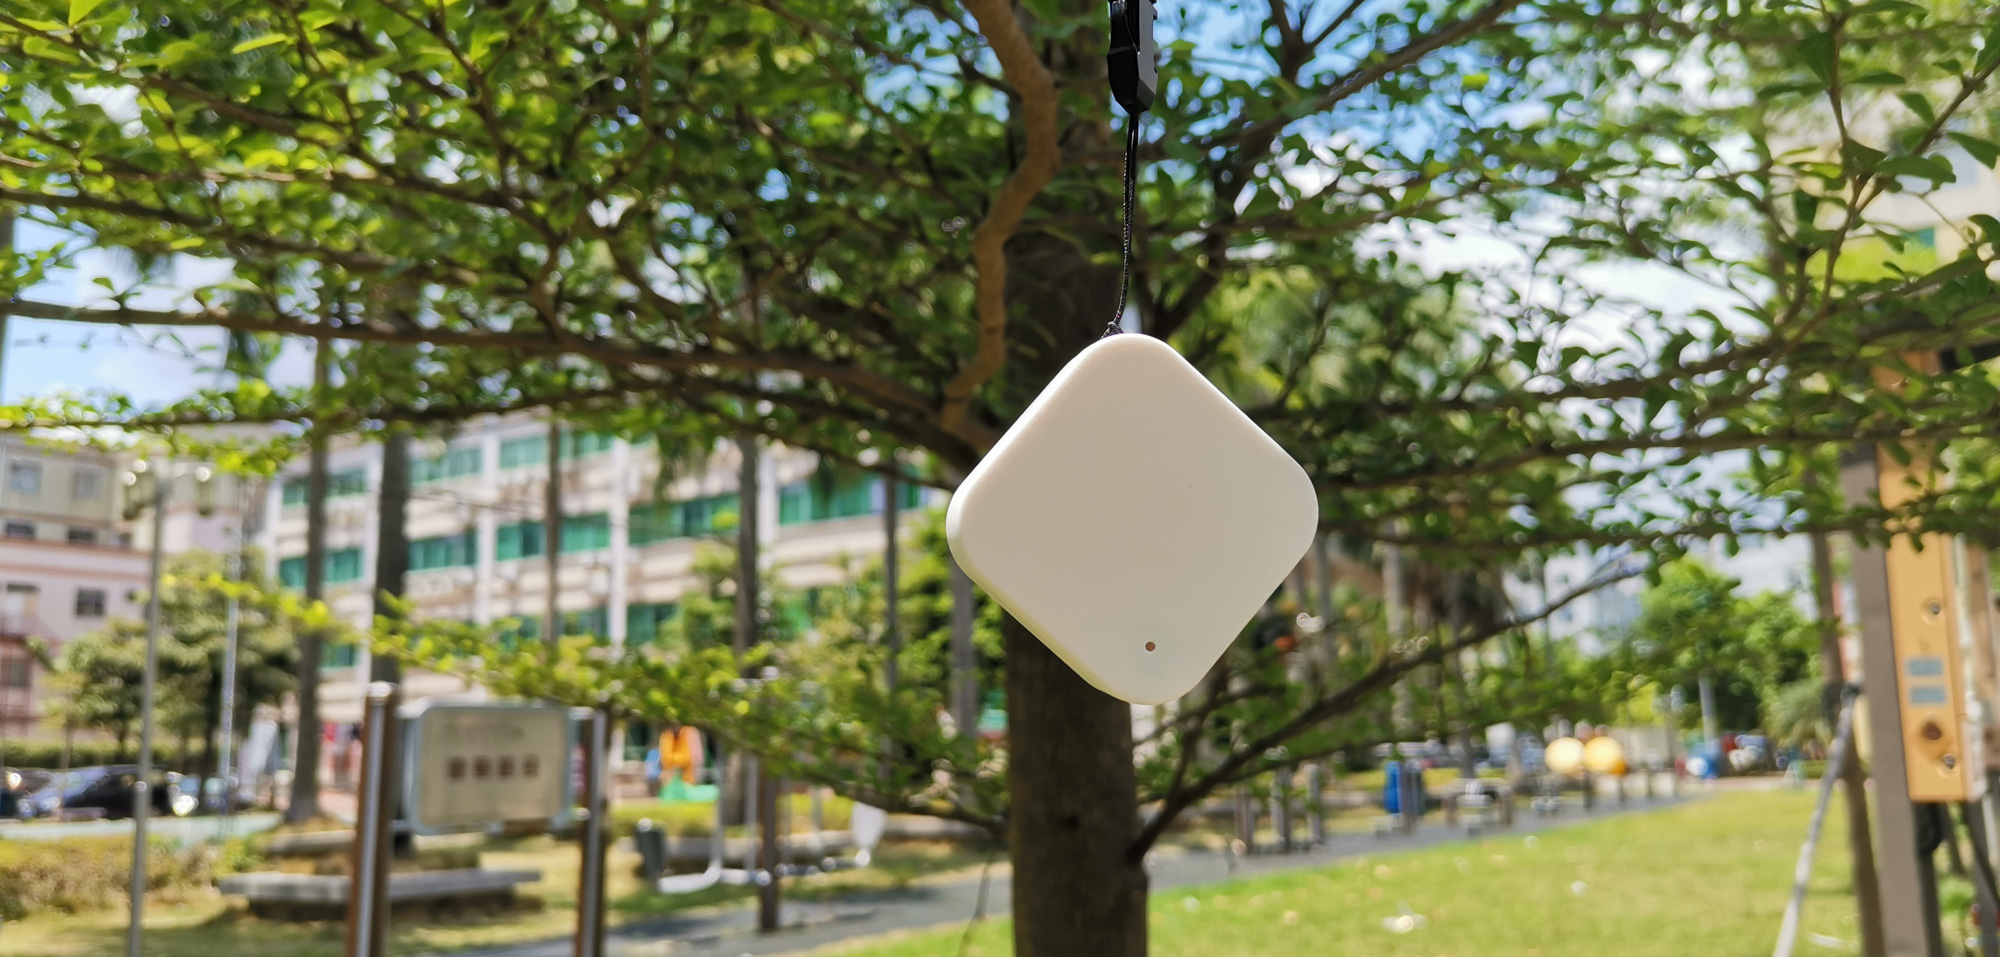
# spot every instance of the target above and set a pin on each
(1150, 646)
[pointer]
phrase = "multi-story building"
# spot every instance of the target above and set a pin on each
(65, 567)
(477, 549)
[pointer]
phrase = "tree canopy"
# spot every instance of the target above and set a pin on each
(868, 228)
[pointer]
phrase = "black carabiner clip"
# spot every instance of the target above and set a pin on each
(1134, 57)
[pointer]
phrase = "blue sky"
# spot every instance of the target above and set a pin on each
(45, 357)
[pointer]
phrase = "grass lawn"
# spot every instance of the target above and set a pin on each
(1707, 879)
(206, 925)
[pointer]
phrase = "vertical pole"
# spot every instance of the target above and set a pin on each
(1710, 730)
(590, 881)
(142, 786)
(228, 744)
(1982, 880)
(1281, 807)
(1909, 888)
(892, 638)
(964, 661)
(552, 522)
(6, 246)
(304, 802)
(1315, 810)
(374, 824)
(768, 900)
(1788, 930)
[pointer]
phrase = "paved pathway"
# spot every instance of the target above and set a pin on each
(183, 828)
(731, 932)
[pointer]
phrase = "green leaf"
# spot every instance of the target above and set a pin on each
(78, 9)
(1924, 167)
(1817, 52)
(1985, 151)
(1877, 78)
(258, 43)
(1918, 105)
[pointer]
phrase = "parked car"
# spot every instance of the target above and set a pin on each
(17, 784)
(109, 790)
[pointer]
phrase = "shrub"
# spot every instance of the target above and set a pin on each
(48, 754)
(78, 874)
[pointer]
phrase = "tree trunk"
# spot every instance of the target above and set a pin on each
(304, 803)
(736, 779)
(1079, 885)
(392, 542)
(1853, 778)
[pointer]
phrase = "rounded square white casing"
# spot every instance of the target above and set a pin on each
(1134, 519)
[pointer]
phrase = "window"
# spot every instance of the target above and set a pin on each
(89, 603)
(586, 533)
(518, 540)
(454, 463)
(644, 621)
(25, 477)
(842, 494)
(534, 449)
(342, 565)
(82, 536)
(516, 631)
(526, 450)
(339, 655)
(669, 520)
(14, 672)
(444, 551)
(16, 529)
(595, 622)
(86, 484)
(342, 484)
(576, 445)
(348, 482)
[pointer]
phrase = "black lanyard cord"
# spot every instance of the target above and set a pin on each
(1116, 326)
(1132, 66)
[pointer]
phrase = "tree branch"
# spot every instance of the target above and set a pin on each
(1036, 88)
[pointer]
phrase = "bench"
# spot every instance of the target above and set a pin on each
(281, 896)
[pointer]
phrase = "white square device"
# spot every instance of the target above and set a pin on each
(1134, 519)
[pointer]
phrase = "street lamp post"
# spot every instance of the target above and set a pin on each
(147, 485)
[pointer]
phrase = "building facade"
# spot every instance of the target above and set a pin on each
(626, 550)
(66, 568)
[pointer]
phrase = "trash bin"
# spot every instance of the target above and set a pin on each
(651, 843)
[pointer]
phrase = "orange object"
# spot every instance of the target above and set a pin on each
(680, 750)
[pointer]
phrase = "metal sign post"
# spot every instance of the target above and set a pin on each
(1908, 878)
(374, 825)
(596, 728)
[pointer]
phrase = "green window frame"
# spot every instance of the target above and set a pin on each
(534, 449)
(665, 521)
(444, 551)
(518, 540)
(595, 622)
(586, 533)
(576, 445)
(342, 565)
(847, 494)
(342, 484)
(524, 451)
(455, 462)
(334, 655)
(643, 621)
